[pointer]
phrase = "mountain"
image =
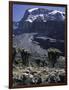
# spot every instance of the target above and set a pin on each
(47, 25)
(50, 22)
(15, 25)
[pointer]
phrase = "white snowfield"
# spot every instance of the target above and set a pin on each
(30, 10)
(56, 11)
(52, 15)
(31, 18)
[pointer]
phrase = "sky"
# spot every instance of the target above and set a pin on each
(19, 10)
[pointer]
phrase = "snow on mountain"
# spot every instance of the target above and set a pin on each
(29, 20)
(56, 11)
(58, 15)
(30, 10)
(48, 25)
(44, 15)
(32, 18)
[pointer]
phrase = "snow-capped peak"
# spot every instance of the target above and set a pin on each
(30, 10)
(31, 18)
(40, 14)
(55, 11)
(58, 15)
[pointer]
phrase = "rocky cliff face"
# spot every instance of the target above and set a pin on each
(49, 22)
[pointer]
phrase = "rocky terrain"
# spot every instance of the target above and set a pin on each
(35, 75)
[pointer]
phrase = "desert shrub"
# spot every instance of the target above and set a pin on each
(53, 55)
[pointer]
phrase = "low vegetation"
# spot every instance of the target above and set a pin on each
(29, 70)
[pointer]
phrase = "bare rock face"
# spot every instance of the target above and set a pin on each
(41, 20)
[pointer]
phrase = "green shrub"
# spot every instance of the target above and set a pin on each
(53, 55)
(24, 56)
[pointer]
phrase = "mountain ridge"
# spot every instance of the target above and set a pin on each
(51, 28)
